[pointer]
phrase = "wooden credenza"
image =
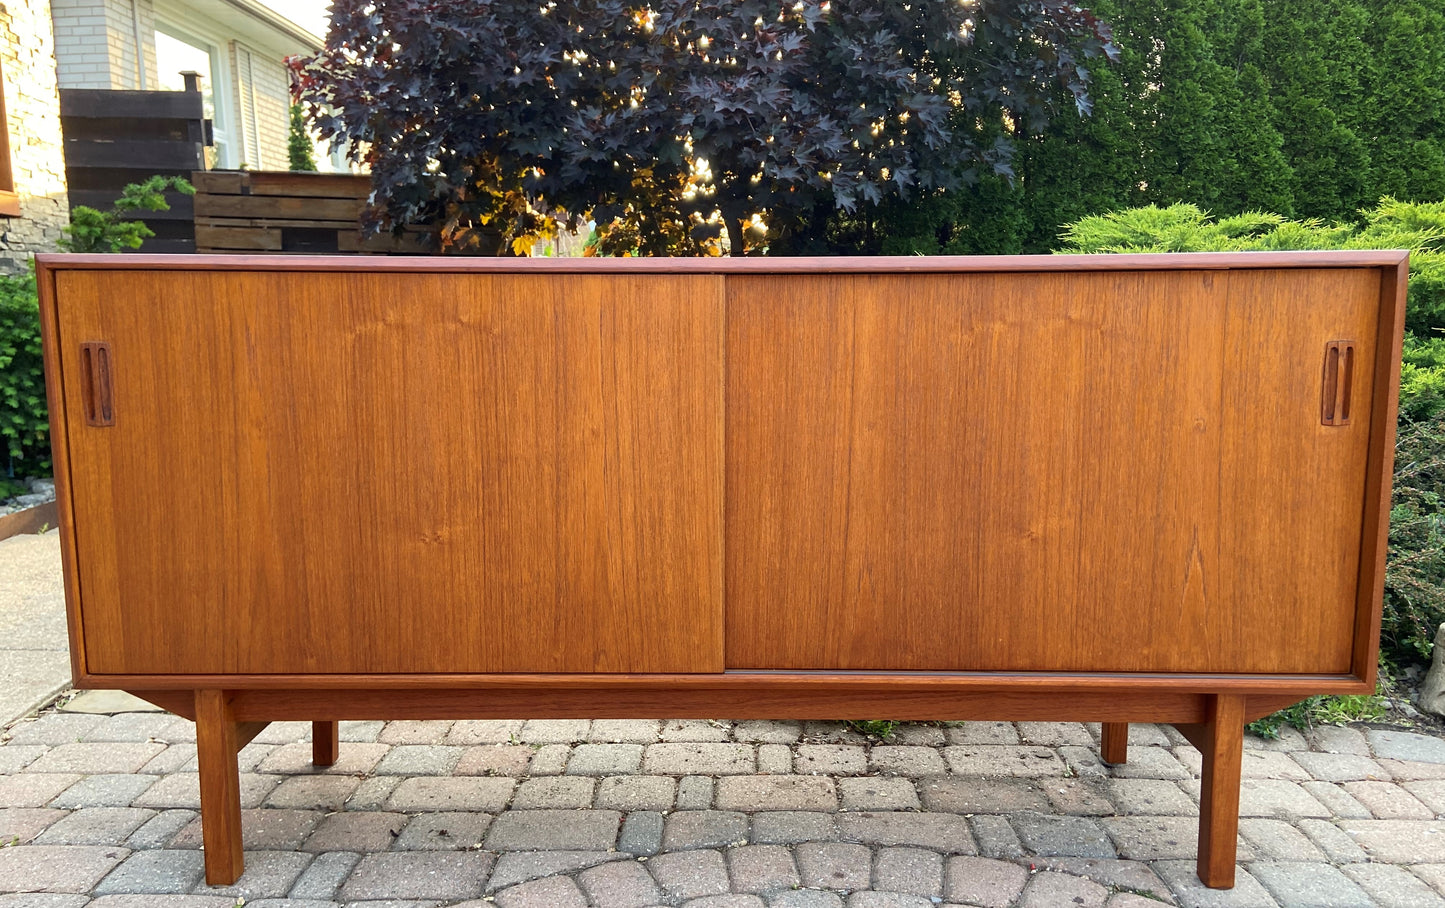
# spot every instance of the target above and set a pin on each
(1111, 488)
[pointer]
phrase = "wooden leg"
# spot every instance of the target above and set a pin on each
(1114, 745)
(217, 740)
(325, 743)
(1222, 744)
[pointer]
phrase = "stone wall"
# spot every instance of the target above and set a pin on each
(37, 156)
(95, 43)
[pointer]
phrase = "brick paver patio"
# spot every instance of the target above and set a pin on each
(100, 810)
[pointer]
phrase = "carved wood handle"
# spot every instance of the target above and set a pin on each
(95, 368)
(1339, 380)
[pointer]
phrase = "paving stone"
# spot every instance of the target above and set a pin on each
(485, 731)
(550, 760)
(1329, 767)
(1298, 885)
(34, 789)
(1276, 840)
(1410, 771)
(556, 892)
(554, 792)
(554, 731)
(982, 733)
(356, 831)
(285, 733)
(1141, 734)
(518, 867)
(1392, 886)
(104, 790)
(359, 732)
(1259, 764)
(1399, 841)
(43, 900)
(268, 874)
(762, 868)
(776, 793)
(313, 792)
(830, 759)
(805, 898)
(604, 759)
(699, 759)
(1084, 762)
(1055, 734)
(983, 881)
(443, 832)
(261, 829)
(418, 875)
(911, 871)
(164, 901)
(1339, 739)
(554, 830)
(690, 874)
(176, 758)
(938, 831)
(1403, 745)
(292, 903)
(1151, 763)
(419, 760)
(1151, 797)
(1003, 760)
(1135, 876)
(906, 761)
(1334, 842)
(55, 728)
(775, 759)
(636, 793)
(918, 734)
(131, 728)
(1191, 893)
(995, 837)
(1431, 793)
(641, 833)
(1336, 800)
(323, 876)
(1271, 798)
(94, 758)
(625, 731)
(159, 830)
(1047, 835)
(725, 901)
(56, 868)
(694, 793)
(1159, 838)
(495, 760)
(449, 793)
(1287, 739)
(1387, 801)
(248, 760)
(1432, 874)
(982, 795)
(834, 865)
(787, 827)
(412, 731)
(624, 884)
(183, 789)
(154, 872)
(815, 732)
(872, 899)
(372, 793)
(704, 829)
(1078, 797)
(15, 757)
(695, 730)
(20, 825)
(294, 759)
(1049, 890)
(96, 826)
(767, 732)
(1130, 900)
(874, 793)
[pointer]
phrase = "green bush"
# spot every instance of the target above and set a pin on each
(24, 429)
(92, 230)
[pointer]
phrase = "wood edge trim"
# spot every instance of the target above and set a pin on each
(774, 682)
(9, 204)
(1380, 461)
(720, 613)
(815, 265)
(50, 341)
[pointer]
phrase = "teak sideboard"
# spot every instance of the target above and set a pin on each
(1097, 488)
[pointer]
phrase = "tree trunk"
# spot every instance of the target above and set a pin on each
(735, 233)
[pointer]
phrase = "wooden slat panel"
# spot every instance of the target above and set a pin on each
(378, 473)
(270, 207)
(1108, 472)
(251, 239)
(153, 156)
(224, 182)
(86, 103)
(315, 185)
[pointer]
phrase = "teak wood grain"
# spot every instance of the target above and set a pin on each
(375, 473)
(1043, 472)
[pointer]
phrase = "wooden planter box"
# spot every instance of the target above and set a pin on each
(1114, 488)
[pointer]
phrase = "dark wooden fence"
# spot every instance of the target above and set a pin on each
(117, 137)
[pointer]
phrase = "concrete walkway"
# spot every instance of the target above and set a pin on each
(34, 660)
(99, 808)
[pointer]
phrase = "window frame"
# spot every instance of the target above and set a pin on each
(9, 198)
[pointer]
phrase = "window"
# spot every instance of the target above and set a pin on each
(9, 199)
(178, 52)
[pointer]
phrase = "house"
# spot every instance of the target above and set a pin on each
(237, 46)
(33, 203)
